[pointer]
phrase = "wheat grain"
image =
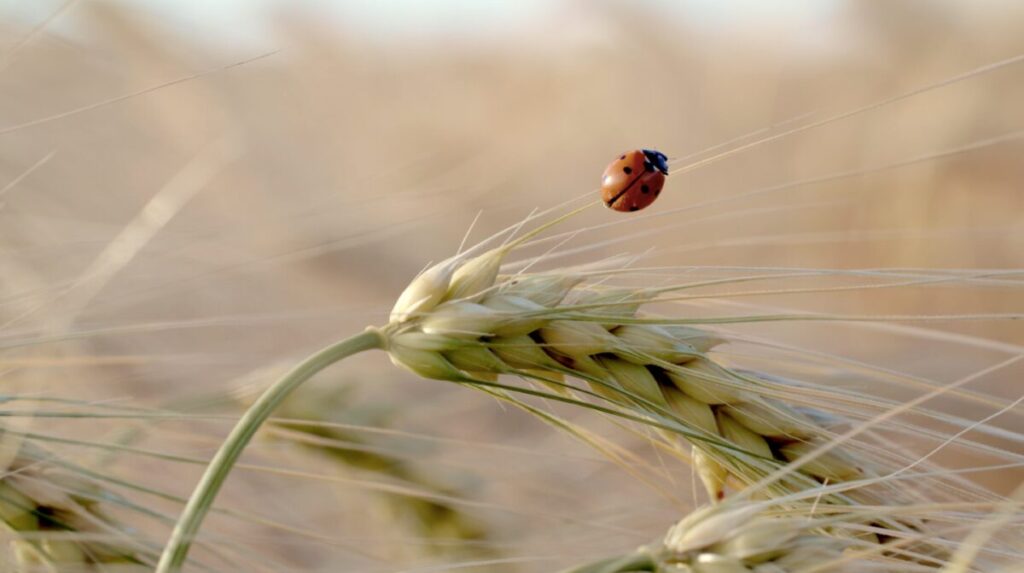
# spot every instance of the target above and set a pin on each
(739, 538)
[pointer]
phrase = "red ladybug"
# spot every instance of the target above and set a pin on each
(634, 180)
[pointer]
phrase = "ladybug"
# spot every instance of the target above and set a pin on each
(634, 180)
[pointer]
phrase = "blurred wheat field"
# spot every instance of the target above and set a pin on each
(176, 229)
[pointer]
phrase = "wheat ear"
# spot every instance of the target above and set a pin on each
(57, 519)
(764, 537)
(463, 321)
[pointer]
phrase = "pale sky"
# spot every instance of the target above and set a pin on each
(243, 24)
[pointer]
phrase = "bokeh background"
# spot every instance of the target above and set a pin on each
(198, 194)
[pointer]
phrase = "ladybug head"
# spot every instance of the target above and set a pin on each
(657, 159)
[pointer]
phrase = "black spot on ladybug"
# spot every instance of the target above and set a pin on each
(627, 170)
(634, 208)
(623, 157)
(645, 189)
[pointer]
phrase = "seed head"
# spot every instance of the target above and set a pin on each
(477, 360)
(476, 276)
(709, 383)
(712, 474)
(771, 418)
(545, 290)
(426, 363)
(577, 339)
(424, 341)
(641, 342)
(759, 540)
(713, 563)
(522, 315)
(744, 438)
(707, 526)
(462, 319)
(702, 340)
(425, 291)
(522, 352)
(697, 412)
(833, 465)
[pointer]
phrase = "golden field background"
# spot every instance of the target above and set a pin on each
(197, 237)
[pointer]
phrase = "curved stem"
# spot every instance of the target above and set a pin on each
(220, 466)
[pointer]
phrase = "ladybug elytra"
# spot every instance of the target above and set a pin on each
(634, 180)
